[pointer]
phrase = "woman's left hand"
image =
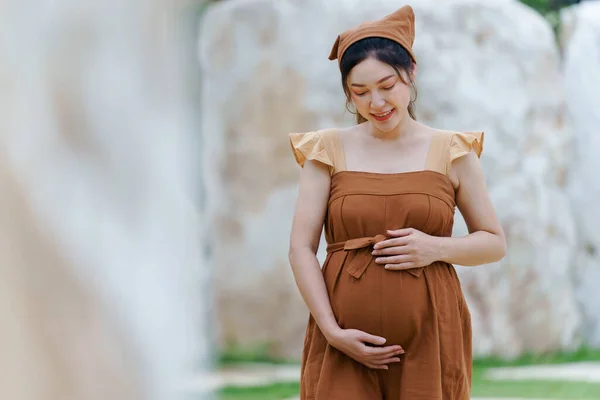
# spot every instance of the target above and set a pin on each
(406, 249)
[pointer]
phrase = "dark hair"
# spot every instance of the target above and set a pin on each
(385, 50)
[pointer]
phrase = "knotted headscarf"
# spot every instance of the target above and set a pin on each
(398, 26)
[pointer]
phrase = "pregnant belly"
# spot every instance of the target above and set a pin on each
(391, 304)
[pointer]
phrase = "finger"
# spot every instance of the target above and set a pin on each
(374, 366)
(400, 241)
(401, 266)
(383, 352)
(404, 258)
(401, 232)
(386, 361)
(368, 338)
(394, 246)
(388, 355)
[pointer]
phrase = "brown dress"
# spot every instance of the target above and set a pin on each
(423, 310)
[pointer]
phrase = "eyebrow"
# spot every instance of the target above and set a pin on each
(379, 81)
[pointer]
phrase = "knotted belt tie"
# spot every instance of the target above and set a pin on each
(363, 258)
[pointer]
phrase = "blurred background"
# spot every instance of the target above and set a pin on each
(148, 187)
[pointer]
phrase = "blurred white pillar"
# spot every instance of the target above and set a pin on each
(102, 290)
(580, 33)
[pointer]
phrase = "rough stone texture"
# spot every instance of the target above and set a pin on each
(99, 257)
(491, 66)
(580, 37)
(495, 67)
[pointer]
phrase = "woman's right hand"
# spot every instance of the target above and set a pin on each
(355, 344)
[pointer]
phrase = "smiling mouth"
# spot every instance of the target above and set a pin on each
(383, 116)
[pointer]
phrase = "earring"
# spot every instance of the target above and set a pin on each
(349, 110)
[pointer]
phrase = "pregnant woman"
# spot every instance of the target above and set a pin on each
(388, 319)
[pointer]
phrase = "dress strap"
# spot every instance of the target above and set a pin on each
(333, 143)
(439, 154)
(447, 146)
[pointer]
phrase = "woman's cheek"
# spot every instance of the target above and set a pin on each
(359, 101)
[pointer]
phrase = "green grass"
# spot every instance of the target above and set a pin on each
(260, 354)
(582, 354)
(270, 392)
(481, 386)
(532, 388)
(256, 354)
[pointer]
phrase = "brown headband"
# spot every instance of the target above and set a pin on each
(398, 26)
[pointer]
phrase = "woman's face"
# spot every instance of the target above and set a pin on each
(379, 94)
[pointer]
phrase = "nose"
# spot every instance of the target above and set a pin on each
(377, 101)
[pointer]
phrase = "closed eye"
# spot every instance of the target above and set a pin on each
(385, 88)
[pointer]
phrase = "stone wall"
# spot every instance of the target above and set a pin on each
(492, 66)
(581, 35)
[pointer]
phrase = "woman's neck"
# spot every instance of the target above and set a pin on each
(404, 128)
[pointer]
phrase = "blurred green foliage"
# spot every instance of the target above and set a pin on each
(543, 6)
(257, 354)
(548, 6)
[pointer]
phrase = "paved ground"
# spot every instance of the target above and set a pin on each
(246, 375)
(580, 372)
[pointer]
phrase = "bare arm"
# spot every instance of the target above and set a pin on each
(307, 226)
(485, 242)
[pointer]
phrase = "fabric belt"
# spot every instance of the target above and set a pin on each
(363, 257)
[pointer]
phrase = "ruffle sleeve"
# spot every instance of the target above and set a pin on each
(309, 146)
(463, 143)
